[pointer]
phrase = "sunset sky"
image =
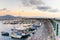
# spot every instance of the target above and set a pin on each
(30, 8)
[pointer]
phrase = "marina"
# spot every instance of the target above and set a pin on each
(27, 29)
(17, 31)
(29, 20)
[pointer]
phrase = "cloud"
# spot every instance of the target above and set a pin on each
(53, 10)
(27, 4)
(46, 8)
(43, 8)
(36, 4)
(31, 2)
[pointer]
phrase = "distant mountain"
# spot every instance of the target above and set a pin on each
(8, 17)
(18, 17)
(13, 17)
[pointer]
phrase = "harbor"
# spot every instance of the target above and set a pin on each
(7, 26)
(26, 29)
(29, 20)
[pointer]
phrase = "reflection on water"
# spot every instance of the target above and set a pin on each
(6, 28)
(9, 38)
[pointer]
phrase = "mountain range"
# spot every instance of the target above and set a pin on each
(9, 17)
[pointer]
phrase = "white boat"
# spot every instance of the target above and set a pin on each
(19, 32)
(15, 36)
(23, 30)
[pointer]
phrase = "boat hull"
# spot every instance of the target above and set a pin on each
(16, 36)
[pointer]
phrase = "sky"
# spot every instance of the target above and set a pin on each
(24, 4)
(55, 4)
(30, 4)
(10, 4)
(18, 7)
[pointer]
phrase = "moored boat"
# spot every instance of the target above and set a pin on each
(19, 32)
(4, 33)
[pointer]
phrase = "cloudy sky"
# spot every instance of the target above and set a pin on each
(10, 4)
(30, 4)
(30, 7)
(53, 3)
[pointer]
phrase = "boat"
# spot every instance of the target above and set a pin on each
(10, 22)
(19, 32)
(23, 31)
(5, 22)
(15, 35)
(4, 33)
(14, 22)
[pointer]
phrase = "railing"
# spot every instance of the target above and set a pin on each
(52, 30)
